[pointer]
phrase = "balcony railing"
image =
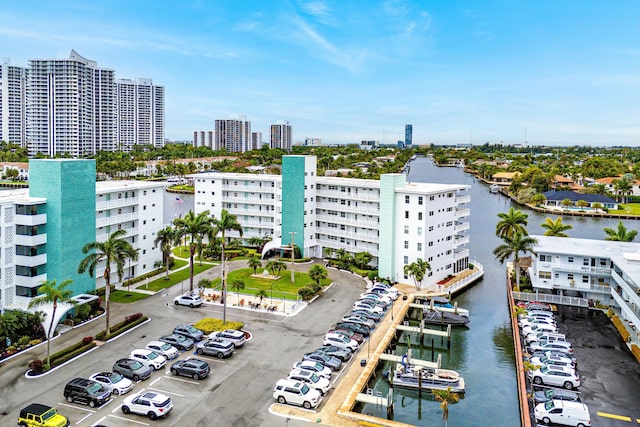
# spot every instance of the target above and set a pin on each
(31, 219)
(116, 203)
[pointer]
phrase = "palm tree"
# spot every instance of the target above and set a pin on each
(582, 203)
(262, 294)
(511, 223)
(513, 246)
(566, 203)
(52, 293)
(417, 271)
(237, 285)
(318, 273)
(254, 262)
(328, 252)
(227, 222)
(275, 267)
(623, 187)
(115, 250)
(362, 259)
(445, 397)
(166, 239)
(538, 199)
(621, 234)
(196, 227)
(555, 228)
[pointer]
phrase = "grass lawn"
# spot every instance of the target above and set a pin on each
(177, 263)
(282, 287)
(627, 208)
(126, 297)
(177, 277)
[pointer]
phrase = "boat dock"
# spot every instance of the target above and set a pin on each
(435, 307)
(426, 331)
(373, 399)
(417, 362)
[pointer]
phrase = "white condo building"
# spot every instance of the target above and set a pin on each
(596, 270)
(140, 112)
(396, 221)
(233, 135)
(13, 87)
(44, 228)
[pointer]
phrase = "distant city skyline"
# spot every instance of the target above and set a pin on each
(460, 72)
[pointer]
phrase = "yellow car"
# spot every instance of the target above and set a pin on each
(37, 415)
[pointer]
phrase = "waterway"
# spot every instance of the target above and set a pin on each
(483, 353)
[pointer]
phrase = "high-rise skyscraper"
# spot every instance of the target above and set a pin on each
(233, 135)
(281, 135)
(70, 107)
(140, 112)
(13, 85)
(408, 136)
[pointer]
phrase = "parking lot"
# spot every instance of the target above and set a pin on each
(609, 374)
(238, 390)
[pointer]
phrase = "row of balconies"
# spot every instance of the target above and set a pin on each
(365, 210)
(116, 219)
(363, 236)
(461, 213)
(39, 219)
(350, 220)
(367, 196)
(463, 199)
(116, 203)
(131, 231)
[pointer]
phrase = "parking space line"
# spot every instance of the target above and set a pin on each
(129, 420)
(171, 377)
(166, 392)
(99, 421)
(210, 358)
(83, 418)
(155, 381)
(614, 416)
(76, 407)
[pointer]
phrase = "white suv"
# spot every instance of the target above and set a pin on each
(153, 405)
(555, 375)
(297, 393)
(236, 337)
(148, 358)
(341, 341)
(312, 379)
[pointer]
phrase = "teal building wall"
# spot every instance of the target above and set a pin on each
(69, 186)
(293, 181)
(386, 252)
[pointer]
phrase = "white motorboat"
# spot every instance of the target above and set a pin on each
(431, 379)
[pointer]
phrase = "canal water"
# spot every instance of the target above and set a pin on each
(483, 353)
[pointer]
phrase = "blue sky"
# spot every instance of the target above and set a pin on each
(460, 71)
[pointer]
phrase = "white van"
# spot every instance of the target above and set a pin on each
(563, 412)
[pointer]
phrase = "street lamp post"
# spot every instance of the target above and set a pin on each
(293, 233)
(224, 291)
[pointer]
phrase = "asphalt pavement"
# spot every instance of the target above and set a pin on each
(237, 393)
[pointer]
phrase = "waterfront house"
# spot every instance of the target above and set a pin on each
(554, 199)
(504, 178)
(608, 182)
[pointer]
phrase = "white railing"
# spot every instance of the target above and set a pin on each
(116, 203)
(461, 213)
(464, 282)
(551, 299)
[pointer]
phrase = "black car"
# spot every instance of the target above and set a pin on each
(355, 327)
(341, 353)
(86, 391)
(194, 368)
(366, 314)
(178, 341)
(555, 394)
(329, 361)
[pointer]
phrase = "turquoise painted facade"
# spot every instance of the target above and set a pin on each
(69, 186)
(293, 182)
(386, 253)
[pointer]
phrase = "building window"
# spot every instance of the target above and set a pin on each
(430, 213)
(544, 274)
(570, 259)
(406, 260)
(406, 229)
(419, 216)
(419, 231)
(419, 246)
(406, 214)
(431, 228)
(431, 198)
(406, 244)
(407, 199)
(430, 243)
(419, 200)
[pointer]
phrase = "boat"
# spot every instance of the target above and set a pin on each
(442, 302)
(495, 188)
(436, 317)
(411, 376)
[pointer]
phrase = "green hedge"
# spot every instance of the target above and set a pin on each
(71, 352)
(121, 327)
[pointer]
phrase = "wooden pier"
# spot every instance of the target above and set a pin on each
(418, 362)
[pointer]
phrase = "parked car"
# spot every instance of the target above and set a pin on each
(194, 368)
(132, 369)
(339, 352)
(563, 346)
(368, 306)
(359, 320)
(371, 302)
(317, 367)
(539, 321)
(114, 382)
(236, 337)
(38, 415)
(149, 358)
(366, 314)
(86, 391)
(548, 361)
(189, 331)
(375, 297)
(556, 376)
(563, 412)
(539, 313)
(332, 362)
(215, 347)
(340, 340)
(383, 292)
(546, 395)
(188, 299)
(353, 335)
(534, 329)
(544, 336)
(554, 353)
(312, 379)
(163, 348)
(152, 404)
(297, 393)
(535, 305)
(355, 327)
(178, 341)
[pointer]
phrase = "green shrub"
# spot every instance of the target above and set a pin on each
(83, 311)
(210, 324)
(23, 341)
(78, 349)
(36, 366)
(121, 327)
